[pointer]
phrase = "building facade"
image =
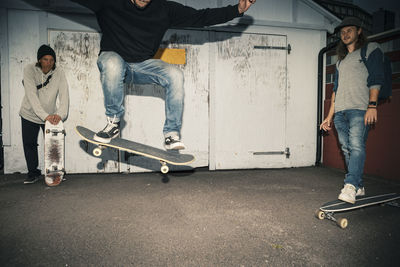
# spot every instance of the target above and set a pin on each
(383, 20)
(344, 9)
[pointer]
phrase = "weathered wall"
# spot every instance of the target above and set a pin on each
(234, 91)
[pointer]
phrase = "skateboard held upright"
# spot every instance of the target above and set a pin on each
(136, 148)
(54, 140)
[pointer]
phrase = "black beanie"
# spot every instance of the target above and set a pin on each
(45, 50)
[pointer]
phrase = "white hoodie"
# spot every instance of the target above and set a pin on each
(39, 103)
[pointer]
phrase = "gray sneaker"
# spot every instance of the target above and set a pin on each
(360, 192)
(348, 194)
(31, 180)
(109, 132)
(173, 142)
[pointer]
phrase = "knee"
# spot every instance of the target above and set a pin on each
(175, 76)
(357, 147)
(111, 65)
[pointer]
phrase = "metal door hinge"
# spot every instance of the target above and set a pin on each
(286, 152)
(288, 48)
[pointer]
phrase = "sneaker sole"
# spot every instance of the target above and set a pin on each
(175, 148)
(31, 182)
(347, 200)
(103, 140)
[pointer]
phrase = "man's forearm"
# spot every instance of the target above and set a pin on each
(373, 95)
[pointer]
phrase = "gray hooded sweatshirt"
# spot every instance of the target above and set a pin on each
(39, 103)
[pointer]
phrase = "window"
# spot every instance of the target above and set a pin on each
(391, 45)
(331, 59)
(329, 78)
(396, 67)
(396, 44)
(387, 46)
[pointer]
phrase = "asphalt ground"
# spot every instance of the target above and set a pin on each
(199, 218)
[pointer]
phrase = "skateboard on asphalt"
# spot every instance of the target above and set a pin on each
(328, 209)
(136, 148)
(54, 140)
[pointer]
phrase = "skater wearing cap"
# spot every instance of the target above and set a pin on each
(354, 101)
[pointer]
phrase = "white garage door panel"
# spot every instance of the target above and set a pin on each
(250, 100)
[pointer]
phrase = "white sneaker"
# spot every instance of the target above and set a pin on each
(360, 192)
(173, 142)
(348, 194)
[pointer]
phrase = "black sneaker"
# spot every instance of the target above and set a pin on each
(31, 180)
(173, 142)
(109, 132)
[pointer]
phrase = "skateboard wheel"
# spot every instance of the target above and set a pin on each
(97, 152)
(342, 222)
(164, 169)
(320, 214)
(47, 131)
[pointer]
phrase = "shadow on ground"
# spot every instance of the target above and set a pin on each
(200, 218)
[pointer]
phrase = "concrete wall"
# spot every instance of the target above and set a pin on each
(283, 106)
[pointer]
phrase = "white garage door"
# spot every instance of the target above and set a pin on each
(250, 101)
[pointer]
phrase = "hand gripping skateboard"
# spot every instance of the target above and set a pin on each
(328, 209)
(136, 148)
(54, 139)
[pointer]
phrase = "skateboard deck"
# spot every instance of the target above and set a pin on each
(328, 209)
(54, 140)
(136, 148)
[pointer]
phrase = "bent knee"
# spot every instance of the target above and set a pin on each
(175, 75)
(110, 64)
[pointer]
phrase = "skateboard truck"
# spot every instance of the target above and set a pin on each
(55, 132)
(341, 222)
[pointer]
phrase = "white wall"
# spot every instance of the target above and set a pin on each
(26, 30)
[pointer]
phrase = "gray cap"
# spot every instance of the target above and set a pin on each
(349, 21)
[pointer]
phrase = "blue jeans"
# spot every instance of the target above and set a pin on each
(353, 135)
(115, 71)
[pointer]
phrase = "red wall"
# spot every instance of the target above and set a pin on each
(383, 144)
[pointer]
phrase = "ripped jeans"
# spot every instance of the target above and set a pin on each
(352, 133)
(115, 71)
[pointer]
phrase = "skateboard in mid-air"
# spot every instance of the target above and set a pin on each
(136, 148)
(327, 210)
(54, 140)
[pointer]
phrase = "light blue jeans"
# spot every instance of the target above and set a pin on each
(353, 135)
(115, 71)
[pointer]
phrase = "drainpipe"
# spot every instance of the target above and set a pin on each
(320, 94)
